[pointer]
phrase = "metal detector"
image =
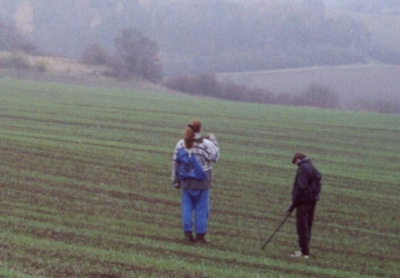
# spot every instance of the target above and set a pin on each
(265, 244)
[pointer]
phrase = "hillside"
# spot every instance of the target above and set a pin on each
(71, 72)
(354, 84)
(371, 82)
(210, 36)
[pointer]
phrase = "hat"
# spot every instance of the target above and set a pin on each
(298, 155)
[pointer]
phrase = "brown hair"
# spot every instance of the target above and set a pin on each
(298, 155)
(189, 133)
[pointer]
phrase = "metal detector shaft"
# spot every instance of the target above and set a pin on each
(265, 244)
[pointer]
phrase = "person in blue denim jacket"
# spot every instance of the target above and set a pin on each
(195, 193)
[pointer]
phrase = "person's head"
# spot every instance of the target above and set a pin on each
(189, 134)
(298, 157)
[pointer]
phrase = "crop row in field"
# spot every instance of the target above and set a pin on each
(85, 186)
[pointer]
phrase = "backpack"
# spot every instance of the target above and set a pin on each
(189, 166)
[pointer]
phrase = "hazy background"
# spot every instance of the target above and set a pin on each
(219, 36)
(222, 37)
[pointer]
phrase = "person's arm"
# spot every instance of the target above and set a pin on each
(302, 179)
(301, 192)
(299, 187)
(212, 148)
(175, 164)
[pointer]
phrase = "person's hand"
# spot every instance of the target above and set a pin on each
(177, 185)
(290, 208)
(210, 136)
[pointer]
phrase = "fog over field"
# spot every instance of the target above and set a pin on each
(224, 37)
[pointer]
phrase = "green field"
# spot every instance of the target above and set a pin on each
(86, 191)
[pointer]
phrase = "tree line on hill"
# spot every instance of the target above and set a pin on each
(316, 95)
(135, 56)
(187, 41)
(208, 36)
(13, 41)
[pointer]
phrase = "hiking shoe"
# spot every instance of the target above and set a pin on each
(201, 238)
(189, 237)
(299, 254)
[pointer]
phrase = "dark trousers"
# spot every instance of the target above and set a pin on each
(304, 222)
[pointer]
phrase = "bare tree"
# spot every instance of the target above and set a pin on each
(94, 54)
(136, 56)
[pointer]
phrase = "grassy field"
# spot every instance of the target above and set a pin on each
(86, 191)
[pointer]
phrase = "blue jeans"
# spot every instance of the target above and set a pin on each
(198, 201)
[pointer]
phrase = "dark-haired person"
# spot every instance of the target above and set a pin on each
(305, 195)
(195, 193)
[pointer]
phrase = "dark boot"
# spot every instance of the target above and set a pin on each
(189, 237)
(201, 238)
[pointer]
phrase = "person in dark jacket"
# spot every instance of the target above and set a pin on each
(305, 194)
